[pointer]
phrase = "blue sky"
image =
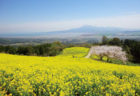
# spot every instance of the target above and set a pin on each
(50, 15)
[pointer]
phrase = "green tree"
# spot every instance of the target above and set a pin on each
(134, 48)
(115, 41)
(2, 49)
(56, 48)
(104, 40)
(10, 49)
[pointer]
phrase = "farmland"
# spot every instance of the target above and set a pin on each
(68, 74)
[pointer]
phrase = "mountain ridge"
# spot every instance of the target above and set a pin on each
(83, 30)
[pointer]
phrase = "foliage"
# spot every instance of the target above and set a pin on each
(133, 48)
(115, 41)
(48, 49)
(105, 40)
(66, 76)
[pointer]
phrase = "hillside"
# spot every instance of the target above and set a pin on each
(69, 74)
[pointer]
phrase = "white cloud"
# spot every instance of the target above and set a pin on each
(129, 22)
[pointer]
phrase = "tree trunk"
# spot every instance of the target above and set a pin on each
(101, 58)
(108, 59)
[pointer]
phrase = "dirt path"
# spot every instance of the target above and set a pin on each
(89, 53)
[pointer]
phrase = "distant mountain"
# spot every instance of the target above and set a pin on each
(95, 30)
(137, 32)
(82, 31)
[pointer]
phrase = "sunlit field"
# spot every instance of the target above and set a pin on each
(69, 74)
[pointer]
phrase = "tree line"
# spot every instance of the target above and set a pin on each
(48, 49)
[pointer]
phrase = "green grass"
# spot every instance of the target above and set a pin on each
(75, 52)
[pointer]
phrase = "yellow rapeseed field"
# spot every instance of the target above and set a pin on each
(69, 74)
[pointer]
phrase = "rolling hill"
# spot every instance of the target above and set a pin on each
(68, 74)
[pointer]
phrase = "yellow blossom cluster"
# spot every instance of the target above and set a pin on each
(69, 74)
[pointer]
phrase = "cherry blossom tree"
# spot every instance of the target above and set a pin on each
(111, 52)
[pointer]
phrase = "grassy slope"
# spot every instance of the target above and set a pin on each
(65, 75)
